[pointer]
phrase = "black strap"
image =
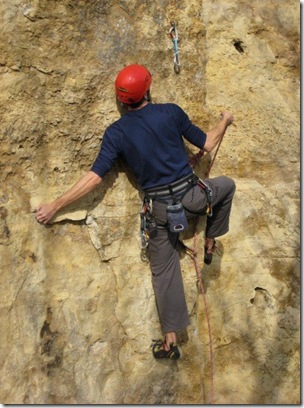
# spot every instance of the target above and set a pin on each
(174, 198)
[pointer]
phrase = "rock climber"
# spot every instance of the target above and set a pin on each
(149, 138)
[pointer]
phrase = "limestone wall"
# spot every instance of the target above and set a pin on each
(77, 306)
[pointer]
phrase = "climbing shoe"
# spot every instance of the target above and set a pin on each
(159, 351)
(208, 255)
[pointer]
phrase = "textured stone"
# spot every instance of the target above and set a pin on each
(77, 306)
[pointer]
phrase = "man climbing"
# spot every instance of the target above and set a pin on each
(149, 138)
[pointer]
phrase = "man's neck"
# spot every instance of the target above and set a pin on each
(139, 107)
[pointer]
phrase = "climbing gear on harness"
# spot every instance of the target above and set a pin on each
(207, 190)
(176, 217)
(148, 226)
(132, 83)
(159, 351)
(174, 37)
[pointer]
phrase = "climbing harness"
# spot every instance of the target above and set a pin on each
(174, 37)
(172, 195)
(176, 190)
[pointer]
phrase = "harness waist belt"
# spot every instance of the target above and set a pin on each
(172, 188)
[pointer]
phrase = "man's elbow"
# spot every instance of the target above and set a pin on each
(95, 179)
(208, 147)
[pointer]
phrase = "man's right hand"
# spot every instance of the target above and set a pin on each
(228, 117)
(216, 134)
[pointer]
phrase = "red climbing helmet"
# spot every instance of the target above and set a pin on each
(132, 83)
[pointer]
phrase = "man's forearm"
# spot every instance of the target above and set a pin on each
(215, 134)
(45, 212)
(86, 184)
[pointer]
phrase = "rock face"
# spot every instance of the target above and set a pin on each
(77, 305)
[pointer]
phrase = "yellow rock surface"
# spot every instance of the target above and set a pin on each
(77, 305)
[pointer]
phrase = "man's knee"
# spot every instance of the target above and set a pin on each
(231, 185)
(228, 184)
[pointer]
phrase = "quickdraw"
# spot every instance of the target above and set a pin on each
(208, 193)
(174, 37)
(148, 226)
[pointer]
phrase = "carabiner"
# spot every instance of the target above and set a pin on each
(174, 37)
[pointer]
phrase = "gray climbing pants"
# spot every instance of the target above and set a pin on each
(163, 248)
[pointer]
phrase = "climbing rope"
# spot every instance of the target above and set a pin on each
(174, 37)
(196, 158)
(214, 156)
(193, 253)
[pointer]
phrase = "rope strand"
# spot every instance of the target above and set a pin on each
(215, 154)
(193, 254)
(202, 288)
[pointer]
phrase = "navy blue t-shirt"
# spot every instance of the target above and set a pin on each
(150, 141)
